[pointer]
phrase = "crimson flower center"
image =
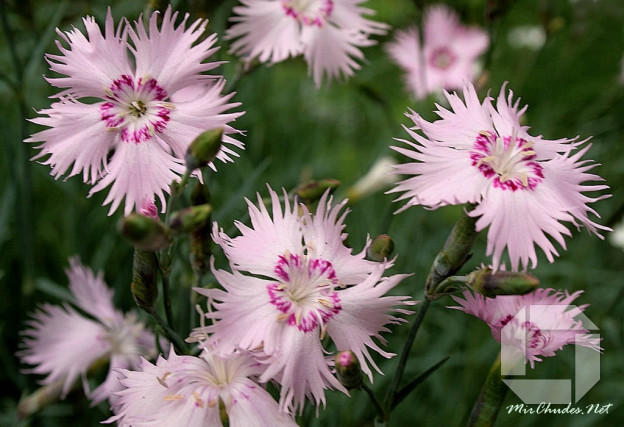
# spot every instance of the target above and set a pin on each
(508, 161)
(135, 108)
(309, 12)
(442, 58)
(304, 297)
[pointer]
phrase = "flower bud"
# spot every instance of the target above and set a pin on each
(203, 149)
(378, 178)
(311, 191)
(380, 248)
(191, 218)
(144, 233)
(144, 284)
(348, 369)
(500, 283)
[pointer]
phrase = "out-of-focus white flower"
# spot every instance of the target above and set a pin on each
(529, 36)
(379, 177)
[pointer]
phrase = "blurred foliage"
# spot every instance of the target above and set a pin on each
(295, 132)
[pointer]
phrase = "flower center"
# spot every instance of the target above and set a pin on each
(136, 108)
(509, 161)
(442, 58)
(309, 12)
(305, 296)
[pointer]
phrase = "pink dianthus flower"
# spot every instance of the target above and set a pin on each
(550, 324)
(523, 186)
(64, 344)
(208, 390)
(328, 33)
(130, 108)
(293, 283)
(446, 58)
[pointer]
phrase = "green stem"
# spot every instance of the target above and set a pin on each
(373, 398)
(179, 345)
(454, 254)
(167, 299)
(490, 398)
(398, 375)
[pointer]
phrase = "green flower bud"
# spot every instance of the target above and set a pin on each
(500, 283)
(144, 233)
(311, 191)
(191, 218)
(381, 248)
(348, 370)
(144, 284)
(203, 149)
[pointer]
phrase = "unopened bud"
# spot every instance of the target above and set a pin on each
(191, 218)
(380, 248)
(348, 370)
(144, 284)
(203, 149)
(378, 178)
(144, 233)
(311, 191)
(501, 283)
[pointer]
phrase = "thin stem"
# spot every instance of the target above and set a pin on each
(398, 375)
(490, 400)
(167, 300)
(373, 398)
(170, 333)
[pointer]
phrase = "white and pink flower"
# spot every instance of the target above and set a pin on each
(445, 59)
(551, 324)
(150, 96)
(523, 186)
(208, 390)
(63, 344)
(328, 33)
(293, 282)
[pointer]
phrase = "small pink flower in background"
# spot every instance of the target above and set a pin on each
(294, 282)
(63, 343)
(192, 391)
(328, 33)
(446, 59)
(524, 186)
(544, 332)
(151, 101)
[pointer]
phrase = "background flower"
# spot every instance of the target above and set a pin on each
(148, 106)
(64, 344)
(328, 33)
(445, 59)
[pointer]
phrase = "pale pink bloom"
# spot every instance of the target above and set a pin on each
(294, 282)
(191, 391)
(544, 330)
(147, 100)
(446, 58)
(64, 344)
(328, 33)
(524, 186)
